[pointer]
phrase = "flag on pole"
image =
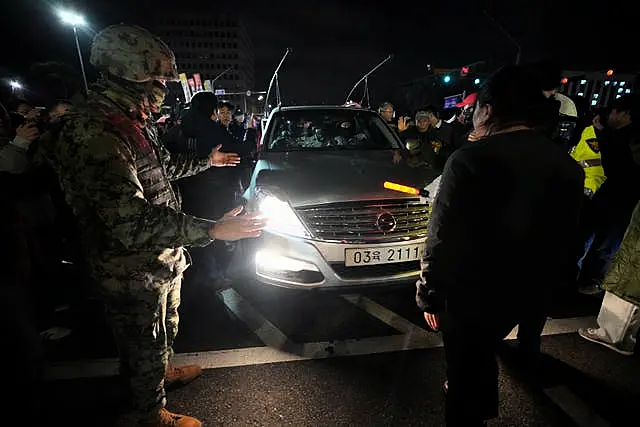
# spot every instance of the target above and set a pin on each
(185, 87)
(198, 82)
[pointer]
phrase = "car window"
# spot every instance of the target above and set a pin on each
(328, 130)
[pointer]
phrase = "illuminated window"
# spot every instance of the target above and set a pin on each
(618, 96)
(581, 94)
(620, 90)
(582, 82)
(615, 83)
(627, 91)
(594, 103)
(622, 83)
(607, 83)
(595, 95)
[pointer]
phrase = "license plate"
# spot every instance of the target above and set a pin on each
(386, 255)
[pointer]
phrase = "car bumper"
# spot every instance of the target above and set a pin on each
(307, 264)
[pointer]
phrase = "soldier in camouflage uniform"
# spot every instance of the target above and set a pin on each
(116, 177)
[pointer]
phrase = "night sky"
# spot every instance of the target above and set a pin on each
(335, 42)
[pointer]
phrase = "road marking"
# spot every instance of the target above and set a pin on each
(254, 355)
(552, 327)
(268, 333)
(373, 345)
(572, 405)
(385, 315)
(293, 352)
(567, 325)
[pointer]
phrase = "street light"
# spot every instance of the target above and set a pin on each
(15, 86)
(75, 20)
(71, 18)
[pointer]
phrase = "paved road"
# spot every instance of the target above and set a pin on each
(278, 357)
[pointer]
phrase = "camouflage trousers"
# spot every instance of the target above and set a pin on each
(144, 320)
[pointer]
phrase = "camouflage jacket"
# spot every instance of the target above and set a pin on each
(623, 278)
(116, 178)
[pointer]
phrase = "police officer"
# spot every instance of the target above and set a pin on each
(116, 177)
(587, 154)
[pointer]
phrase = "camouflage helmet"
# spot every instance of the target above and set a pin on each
(134, 54)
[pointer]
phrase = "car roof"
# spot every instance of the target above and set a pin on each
(318, 107)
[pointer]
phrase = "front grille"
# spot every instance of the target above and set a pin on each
(357, 222)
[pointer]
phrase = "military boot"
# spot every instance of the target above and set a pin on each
(179, 376)
(165, 418)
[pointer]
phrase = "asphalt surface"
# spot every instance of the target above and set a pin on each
(279, 357)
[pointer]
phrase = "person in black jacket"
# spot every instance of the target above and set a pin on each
(500, 241)
(199, 133)
(245, 137)
(442, 135)
(210, 193)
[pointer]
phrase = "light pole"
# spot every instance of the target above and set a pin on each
(508, 35)
(213, 82)
(75, 20)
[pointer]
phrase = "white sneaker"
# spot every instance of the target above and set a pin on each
(591, 334)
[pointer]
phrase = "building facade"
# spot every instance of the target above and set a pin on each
(598, 88)
(217, 46)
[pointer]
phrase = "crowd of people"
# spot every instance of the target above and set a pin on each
(523, 214)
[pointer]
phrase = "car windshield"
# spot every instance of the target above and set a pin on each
(329, 129)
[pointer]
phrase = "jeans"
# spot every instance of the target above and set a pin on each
(602, 228)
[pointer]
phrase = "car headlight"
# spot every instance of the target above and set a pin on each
(281, 217)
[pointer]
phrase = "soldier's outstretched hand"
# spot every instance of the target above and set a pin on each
(233, 226)
(220, 159)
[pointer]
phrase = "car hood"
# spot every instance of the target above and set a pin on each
(309, 178)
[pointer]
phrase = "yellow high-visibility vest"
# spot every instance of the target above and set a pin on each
(589, 159)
